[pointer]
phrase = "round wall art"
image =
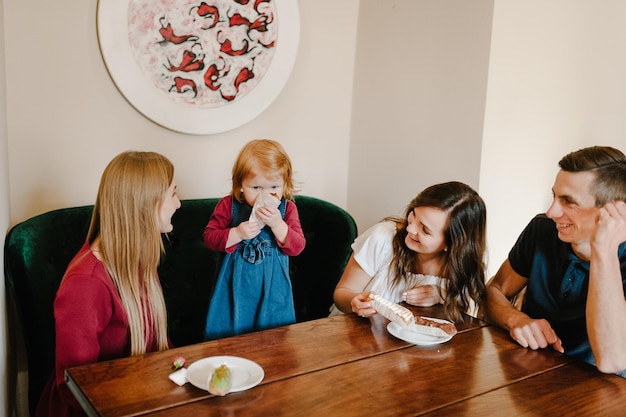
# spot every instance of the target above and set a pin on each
(199, 67)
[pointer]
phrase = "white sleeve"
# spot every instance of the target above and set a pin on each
(373, 248)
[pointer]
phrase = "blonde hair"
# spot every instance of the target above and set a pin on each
(267, 155)
(125, 222)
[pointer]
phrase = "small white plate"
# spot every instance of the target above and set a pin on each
(414, 337)
(244, 373)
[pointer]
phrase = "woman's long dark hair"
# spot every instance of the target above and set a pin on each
(465, 237)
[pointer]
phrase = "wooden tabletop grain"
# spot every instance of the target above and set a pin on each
(348, 365)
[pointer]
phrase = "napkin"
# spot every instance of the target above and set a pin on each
(179, 377)
(264, 199)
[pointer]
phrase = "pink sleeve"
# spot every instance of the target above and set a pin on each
(82, 310)
(216, 231)
(295, 241)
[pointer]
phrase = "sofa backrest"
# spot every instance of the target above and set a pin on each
(38, 250)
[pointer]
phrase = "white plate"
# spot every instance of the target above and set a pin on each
(244, 373)
(414, 337)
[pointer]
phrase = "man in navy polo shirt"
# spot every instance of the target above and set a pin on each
(572, 261)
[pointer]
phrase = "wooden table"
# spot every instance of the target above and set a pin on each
(349, 366)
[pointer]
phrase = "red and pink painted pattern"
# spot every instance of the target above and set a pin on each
(203, 53)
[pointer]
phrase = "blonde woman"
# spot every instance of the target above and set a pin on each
(110, 303)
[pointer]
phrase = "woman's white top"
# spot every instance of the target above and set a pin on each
(373, 251)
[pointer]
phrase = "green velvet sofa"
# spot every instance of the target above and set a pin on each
(38, 250)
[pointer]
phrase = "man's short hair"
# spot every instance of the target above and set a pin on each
(609, 166)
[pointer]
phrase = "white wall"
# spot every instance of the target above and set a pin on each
(67, 119)
(556, 84)
(419, 98)
(5, 371)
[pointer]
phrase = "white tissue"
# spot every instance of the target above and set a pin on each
(179, 377)
(262, 200)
